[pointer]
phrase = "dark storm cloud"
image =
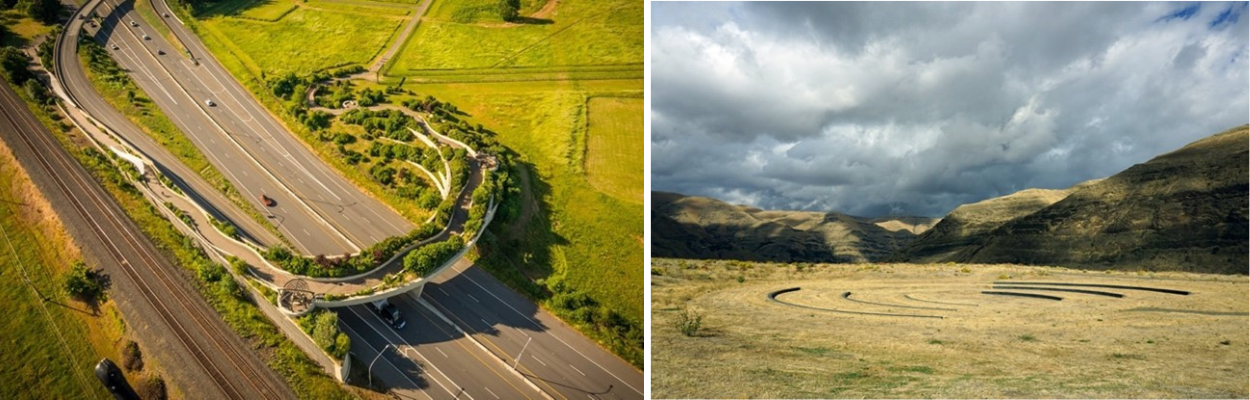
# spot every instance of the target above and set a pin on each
(915, 108)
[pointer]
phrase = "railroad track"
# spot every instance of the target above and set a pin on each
(115, 223)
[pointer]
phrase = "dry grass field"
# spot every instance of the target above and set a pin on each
(1146, 344)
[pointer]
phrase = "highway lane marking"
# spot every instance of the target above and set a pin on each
(440, 351)
(431, 303)
(441, 290)
(471, 297)
(488, 325)
(539, 361)
(491, 393)
(388, 362)
(427, 311)
(414, 350)
(578, 370)
(539, 326)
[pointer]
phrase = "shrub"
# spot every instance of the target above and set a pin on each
(132, 358)
(425, 259)
(689, 322)
(152, 388)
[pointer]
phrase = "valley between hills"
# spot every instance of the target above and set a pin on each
(1181, 211)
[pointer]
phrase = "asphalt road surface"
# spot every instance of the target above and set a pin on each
(179, 327)
(557, 358)
(428, 358)
(317, 209)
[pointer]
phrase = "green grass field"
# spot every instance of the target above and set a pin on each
(581, 33)
(592, 240)
(33, 357)
(314, 36)
(614, 147)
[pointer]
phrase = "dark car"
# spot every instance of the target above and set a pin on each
(113, 380)
(389, 313)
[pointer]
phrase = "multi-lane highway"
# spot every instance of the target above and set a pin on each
(555, 357)
(72, 75)
(201, 352)
(317, 209)
(428, 358)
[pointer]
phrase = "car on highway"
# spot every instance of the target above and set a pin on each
(389, 313)
(146, 37)
(266, 200)
(116, 48)
(210, 102)
(134, 24)
(160, 52)
(166, 15)
(112, 379)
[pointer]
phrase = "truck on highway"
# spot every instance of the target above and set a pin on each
(389, 313)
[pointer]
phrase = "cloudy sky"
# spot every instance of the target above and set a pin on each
(915, 108)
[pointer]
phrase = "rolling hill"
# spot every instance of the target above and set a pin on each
(701, 227)
(1185, 210)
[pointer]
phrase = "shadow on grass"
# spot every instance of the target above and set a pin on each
(532, 21)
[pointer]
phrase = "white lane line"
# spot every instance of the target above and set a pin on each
(474, 298)
(440, 351)
(414, 350)
(306, 232)
(536, 324)
(484, 322)
(539, 361)
(491, 393)
(578, 370)
(388, 362)
(441, 290)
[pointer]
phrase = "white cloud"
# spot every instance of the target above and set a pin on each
(918, 107)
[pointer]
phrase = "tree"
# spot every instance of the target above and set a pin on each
(83, 283)
(508, 9)
(13, 65)
(45, 11)
(35, 91)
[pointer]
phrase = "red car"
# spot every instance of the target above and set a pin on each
(268, 202)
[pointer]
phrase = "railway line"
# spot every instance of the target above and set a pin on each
(237, 378)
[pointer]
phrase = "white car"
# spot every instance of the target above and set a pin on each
(134, 24)
(210, 103)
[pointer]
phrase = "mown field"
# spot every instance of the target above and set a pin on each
(1144, 345)
(588, 238)
(50, 347)
(577, 33)
(614, 148)
(280, 36)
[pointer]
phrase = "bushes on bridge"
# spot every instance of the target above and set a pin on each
(426, 259)
(323, 326)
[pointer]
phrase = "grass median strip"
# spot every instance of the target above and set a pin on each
(112, 82)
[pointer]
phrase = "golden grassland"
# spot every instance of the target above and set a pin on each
(34, 357)
(1143, 345)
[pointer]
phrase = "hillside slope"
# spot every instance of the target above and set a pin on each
(700, 227)
(1185, 210)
